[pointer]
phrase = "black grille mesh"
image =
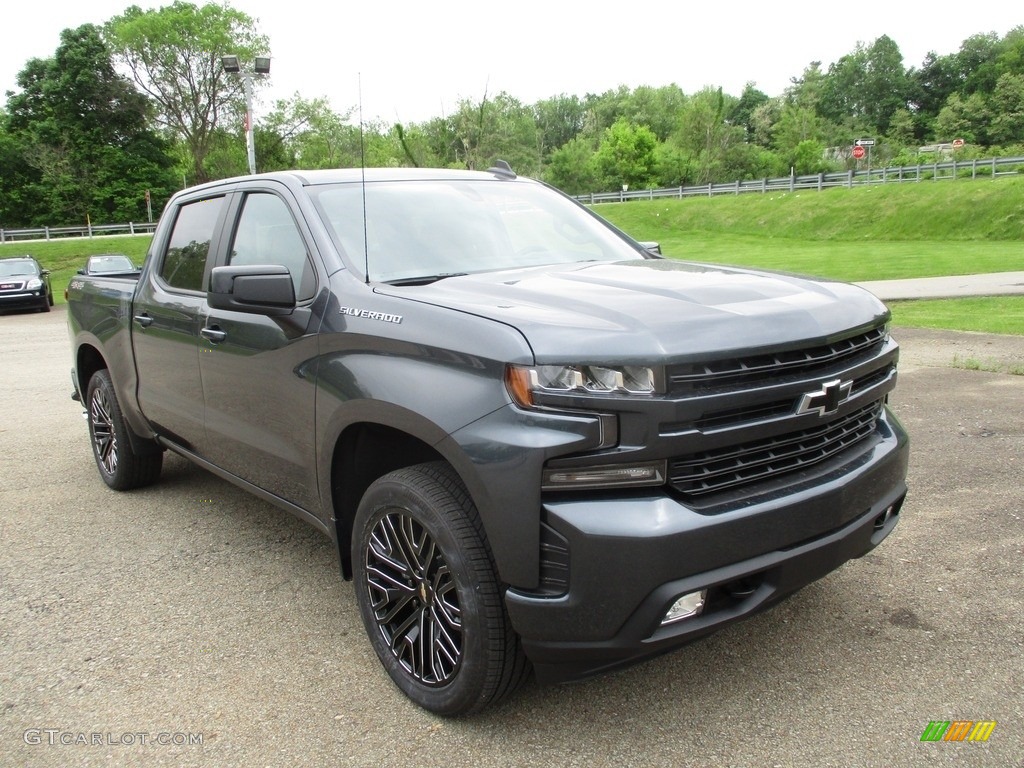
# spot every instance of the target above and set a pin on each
(752, 369)
(737, 465)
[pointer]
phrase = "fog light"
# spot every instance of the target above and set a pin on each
(686, 607)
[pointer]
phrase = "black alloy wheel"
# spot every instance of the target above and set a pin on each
(414, 598)
(122, 466)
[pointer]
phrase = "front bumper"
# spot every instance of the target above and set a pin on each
(24, 299)
(629, 557)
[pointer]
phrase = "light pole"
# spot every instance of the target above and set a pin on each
(261, 66)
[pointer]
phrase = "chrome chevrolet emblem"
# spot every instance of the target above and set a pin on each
(826, 400)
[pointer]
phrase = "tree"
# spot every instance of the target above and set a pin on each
(627, 156)
(930, 87)
(560, 119)
(572, 168)
(85, 130)
(499, 128)
(867, 85)
(174, 56)
(704, 134)
(1007, 109)
(742, 112)
(886, 86)
(312, 135)
(963, 118)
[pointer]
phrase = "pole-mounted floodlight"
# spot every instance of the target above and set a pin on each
(261, 66)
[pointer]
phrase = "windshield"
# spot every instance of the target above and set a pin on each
(111, 263)
(422, 230)
(19, 267)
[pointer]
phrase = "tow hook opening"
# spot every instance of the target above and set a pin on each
(891, 511)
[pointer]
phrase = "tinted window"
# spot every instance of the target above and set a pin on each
(185, 260)
(267, 234)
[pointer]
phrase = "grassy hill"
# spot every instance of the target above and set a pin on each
(881, 232)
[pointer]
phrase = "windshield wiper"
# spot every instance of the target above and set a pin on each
(424, 279)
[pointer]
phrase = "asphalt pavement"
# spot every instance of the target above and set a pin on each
(190, 624)
(956, 286)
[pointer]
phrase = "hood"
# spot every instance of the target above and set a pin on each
(651, 309)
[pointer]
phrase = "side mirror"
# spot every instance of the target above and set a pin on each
(81, 271)
(651, 246)
(261, 289)
(45, 272)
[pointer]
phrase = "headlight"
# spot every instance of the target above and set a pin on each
(34, 284)
(522, 382)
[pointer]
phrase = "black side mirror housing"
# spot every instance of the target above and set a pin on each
(261, 289)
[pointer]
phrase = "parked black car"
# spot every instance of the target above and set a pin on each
(108, 264)
(24, 284)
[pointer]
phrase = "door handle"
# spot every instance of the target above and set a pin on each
(216, 335)
(144, 321)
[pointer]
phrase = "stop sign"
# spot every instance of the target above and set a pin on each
(858, 152)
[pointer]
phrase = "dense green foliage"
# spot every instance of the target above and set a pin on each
(192, 119)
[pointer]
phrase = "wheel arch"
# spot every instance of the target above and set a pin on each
(365, 451)
(88, 360)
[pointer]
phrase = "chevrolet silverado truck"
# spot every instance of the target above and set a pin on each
(537, 444)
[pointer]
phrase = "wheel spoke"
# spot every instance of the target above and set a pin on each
(103, 436)
(414, 598)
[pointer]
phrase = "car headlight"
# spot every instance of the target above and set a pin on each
(523, 381)
(34, 284)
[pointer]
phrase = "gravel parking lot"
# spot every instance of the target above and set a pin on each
(191, 624)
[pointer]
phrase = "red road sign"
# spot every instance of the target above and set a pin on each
(858, 152)
(957, 143)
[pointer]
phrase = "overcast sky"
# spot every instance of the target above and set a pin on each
(415, 61)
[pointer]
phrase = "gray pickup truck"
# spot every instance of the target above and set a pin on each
(536, 443)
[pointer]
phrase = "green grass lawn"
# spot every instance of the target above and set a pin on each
(996, 314)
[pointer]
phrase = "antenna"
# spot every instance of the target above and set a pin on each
(362, 171)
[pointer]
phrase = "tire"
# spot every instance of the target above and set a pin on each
(45, 306)
(120, 465)
(428, 594)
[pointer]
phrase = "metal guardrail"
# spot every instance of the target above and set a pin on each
(89, 230)
(947, 170)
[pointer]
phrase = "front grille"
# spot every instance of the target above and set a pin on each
(751, 370)
(717, 470)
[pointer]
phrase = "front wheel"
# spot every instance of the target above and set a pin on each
(120, 465)
(428, 594)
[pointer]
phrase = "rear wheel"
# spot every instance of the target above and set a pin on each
(120, 465)
(428, 594)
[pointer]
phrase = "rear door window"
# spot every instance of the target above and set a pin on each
(185, 261)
